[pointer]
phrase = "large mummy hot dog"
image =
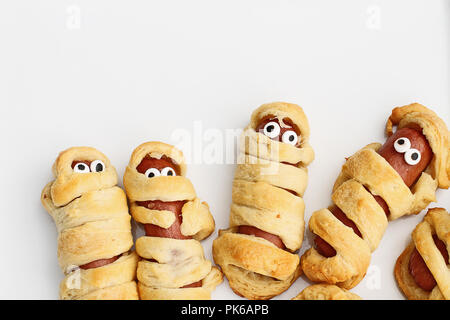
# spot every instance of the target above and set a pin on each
(257, 252)
(423, 269)
(378, 183)
(94, 231)
(173, 266)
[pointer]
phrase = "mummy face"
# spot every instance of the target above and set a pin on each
(84, 166)
(411, 156)
(153, 167)
(408, 152)
(279, 130)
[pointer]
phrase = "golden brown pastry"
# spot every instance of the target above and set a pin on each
(378, 183)
(422, 270)
(173, 266)
(94, 231)
(257, 252)
(325, 292)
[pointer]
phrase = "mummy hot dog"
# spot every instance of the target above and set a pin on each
(422, 270)
(266, 220)
(173, 266)
(94, 231)
(377, 184)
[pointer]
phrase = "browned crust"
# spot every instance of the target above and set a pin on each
(404, 278)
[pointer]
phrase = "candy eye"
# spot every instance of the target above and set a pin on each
(412, 156)
(168, 171)
(81, 167)
(272, 129)
(402, 145)
(290, 137)
(152, 172)
(97, 166)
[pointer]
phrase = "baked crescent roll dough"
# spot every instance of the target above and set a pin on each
(93, 223)
(169, 264)
(325, 292)
(268, 187)
(363, 175)
(435, 222)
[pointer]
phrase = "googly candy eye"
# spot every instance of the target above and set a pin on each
(168, 171)
(81, 167)
(97, 166)
(272, 129)
(402, 145)
(152, 172)
(290, 137)
(412, 156)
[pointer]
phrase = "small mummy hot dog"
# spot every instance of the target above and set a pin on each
(257, 252)
(91, 215)
(423, 270)
(377, 184)
(173, 266)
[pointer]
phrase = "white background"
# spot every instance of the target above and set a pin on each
(113, 74)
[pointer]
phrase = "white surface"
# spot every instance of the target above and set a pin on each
(123, 72)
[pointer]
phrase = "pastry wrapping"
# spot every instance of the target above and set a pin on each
(169, 264)
(435, 223)
(93, 223)
(326, 292)
(268, 186)
(365, 175)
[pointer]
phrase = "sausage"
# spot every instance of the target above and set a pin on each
(250, 230)
(323, 247)
(419, 270)
(99, 263)
(409, 174)
(382, 204)
(194, 284)
(174, 230)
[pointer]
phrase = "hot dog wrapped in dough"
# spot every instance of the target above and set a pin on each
(423, 269)
(377, 184)
(257, 252)
(173, 266)
(94, 231)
